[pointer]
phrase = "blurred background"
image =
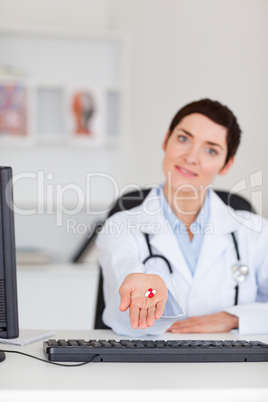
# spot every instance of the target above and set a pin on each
(140, 61)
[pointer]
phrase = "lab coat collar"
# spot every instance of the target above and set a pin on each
(223, 218)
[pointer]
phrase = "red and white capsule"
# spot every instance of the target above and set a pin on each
(150, 293)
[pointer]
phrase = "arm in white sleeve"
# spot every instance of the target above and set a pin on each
(253, 317)
(119, 255)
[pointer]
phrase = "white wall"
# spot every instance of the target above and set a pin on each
(68, 164)
(179, 50)
(182, 50)
(79, 14)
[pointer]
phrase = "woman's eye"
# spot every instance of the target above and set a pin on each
(212, 151)
(182, 138)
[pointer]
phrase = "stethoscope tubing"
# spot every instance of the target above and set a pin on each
(151, 255)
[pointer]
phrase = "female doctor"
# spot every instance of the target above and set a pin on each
(195, 239)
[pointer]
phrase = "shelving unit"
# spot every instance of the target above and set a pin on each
(50, 65)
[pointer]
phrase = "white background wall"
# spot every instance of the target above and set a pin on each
(183, 50)
(178, 51)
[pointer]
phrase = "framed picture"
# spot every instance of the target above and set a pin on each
(14, 112)
(86, 116)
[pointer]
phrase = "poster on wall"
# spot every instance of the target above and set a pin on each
(14, 112)
(86, 116)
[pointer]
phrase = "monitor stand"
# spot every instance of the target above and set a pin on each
(2, 356)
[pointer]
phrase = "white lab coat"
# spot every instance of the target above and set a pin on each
(122, 248)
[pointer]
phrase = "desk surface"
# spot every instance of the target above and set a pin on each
(192, 381)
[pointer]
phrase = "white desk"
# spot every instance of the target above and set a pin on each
(31, 380)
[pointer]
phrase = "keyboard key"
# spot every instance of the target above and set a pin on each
(63, 342)
(116, 344)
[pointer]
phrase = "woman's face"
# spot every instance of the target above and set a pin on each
(194, 154)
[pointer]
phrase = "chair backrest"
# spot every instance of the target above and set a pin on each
(134, 199)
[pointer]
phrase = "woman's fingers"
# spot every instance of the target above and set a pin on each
(125, 299)
(134, 316)
(143, 318)
(151, 316)
(159, 309)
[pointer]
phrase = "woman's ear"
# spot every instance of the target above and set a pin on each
(227, 166)
(164, 144)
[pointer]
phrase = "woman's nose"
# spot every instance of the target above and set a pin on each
(192, 155)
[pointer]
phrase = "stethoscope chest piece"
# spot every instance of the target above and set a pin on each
(240, 272)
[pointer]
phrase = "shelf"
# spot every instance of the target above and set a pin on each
(62, 72)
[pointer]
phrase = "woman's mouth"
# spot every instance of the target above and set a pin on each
(185, 172)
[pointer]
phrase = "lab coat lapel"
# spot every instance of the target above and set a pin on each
(217, 238)
(167, 245)
(213, 246)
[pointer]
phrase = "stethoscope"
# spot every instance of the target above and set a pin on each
(239, 271)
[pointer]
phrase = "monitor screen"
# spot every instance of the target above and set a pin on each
(9, 327)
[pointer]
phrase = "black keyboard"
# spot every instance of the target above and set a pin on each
(79, 350)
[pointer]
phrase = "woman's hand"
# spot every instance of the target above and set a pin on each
(143, 311)
(219, 322)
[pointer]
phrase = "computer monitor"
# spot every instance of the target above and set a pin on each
(9, 326)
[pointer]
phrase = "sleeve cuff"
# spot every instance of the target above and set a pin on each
(253, 318)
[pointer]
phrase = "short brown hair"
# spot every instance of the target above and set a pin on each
(216, 112)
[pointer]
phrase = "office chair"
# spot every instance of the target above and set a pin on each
(131, 200)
